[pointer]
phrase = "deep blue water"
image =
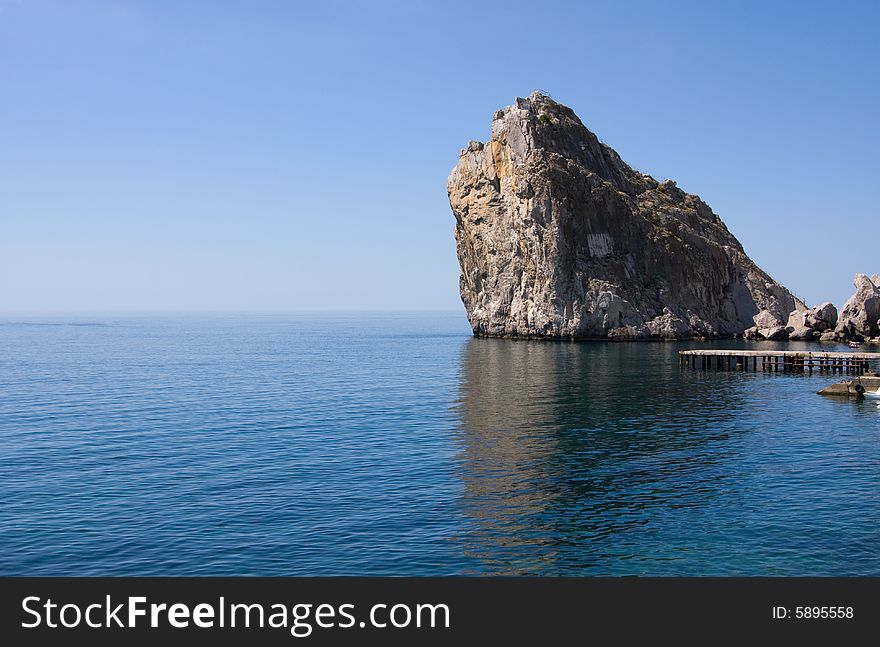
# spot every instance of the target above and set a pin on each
(318, 444)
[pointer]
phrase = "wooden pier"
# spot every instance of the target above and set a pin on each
(780, 361)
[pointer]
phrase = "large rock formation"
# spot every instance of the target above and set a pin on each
(821, 317)
(558, 238)
(860, 317)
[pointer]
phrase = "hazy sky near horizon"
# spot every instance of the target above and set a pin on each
(179, 155)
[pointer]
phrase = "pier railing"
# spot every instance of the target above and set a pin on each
(787, 361)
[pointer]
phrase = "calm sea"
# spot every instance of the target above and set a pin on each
(395, 444)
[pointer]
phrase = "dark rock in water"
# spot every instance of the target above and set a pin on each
(558, 238)
(851, 388)
(860, 316)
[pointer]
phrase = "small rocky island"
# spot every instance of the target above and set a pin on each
(558, 238)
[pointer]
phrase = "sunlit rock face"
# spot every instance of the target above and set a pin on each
(860, 316)
(558, 238)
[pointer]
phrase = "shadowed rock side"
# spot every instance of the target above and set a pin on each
(558, 238)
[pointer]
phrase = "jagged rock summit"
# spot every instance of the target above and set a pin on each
(558, 238)
(860, 317)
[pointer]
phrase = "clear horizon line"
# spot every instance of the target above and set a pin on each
(6, 314)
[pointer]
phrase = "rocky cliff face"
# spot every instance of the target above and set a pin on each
(558, 238)
(860, 317)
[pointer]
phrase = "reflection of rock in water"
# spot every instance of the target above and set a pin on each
(513, 437)
(567, 447)
(509, 438)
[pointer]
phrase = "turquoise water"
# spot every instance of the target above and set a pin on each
(396, 444)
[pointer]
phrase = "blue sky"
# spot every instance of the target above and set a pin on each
(280, 155)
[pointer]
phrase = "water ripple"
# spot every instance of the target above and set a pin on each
(397, 445)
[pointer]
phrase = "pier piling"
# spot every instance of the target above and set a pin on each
(775, 361)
